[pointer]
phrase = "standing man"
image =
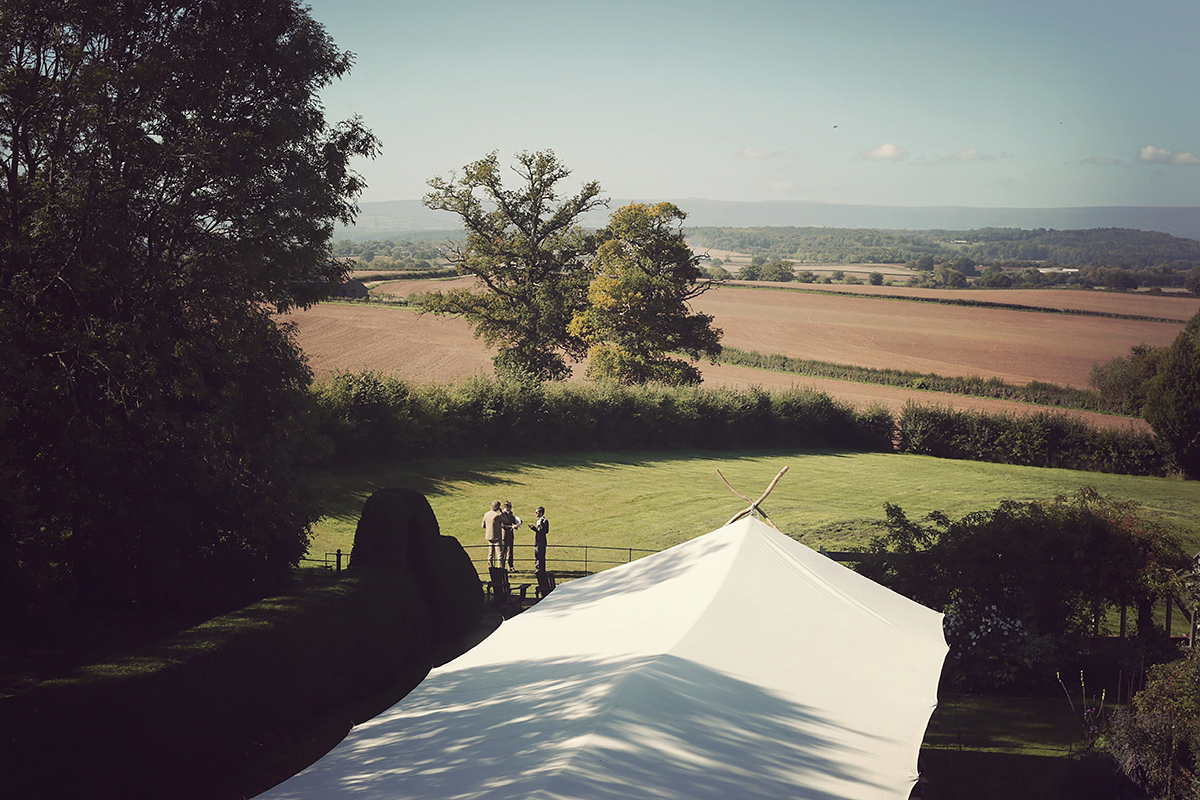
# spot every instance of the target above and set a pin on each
(508, 521)
(493, 532)
(541, 529)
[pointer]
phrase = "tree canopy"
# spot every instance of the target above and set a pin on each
(1172, 405)
(526, 248)
(637, 312)
(169, 180)
(1021, 581)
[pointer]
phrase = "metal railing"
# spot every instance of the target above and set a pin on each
(336, 561)
(574, 560)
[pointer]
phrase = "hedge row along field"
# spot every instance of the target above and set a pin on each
(1036, 440)
(369, 417)
(1036, 392)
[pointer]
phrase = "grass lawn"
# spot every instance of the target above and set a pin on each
(654, 500)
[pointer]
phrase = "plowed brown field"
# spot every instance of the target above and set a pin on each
(1017, 346)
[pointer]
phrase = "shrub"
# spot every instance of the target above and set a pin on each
(1156, 738)
(1022, 583)
(368, 417)
(1041, 440)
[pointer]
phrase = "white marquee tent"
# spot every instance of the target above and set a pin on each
(740, 664)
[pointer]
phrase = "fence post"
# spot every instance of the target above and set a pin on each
(339, 559)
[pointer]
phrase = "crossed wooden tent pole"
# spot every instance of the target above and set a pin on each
(754, 504)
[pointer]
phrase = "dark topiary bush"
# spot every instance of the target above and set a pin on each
(398, 534)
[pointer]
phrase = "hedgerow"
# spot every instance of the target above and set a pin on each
(367, 416)
(1037, 392)
(1041, 440)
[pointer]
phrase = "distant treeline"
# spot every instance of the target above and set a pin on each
(1111, 247)
(370, 417)
(1036, 392)
(409, 253)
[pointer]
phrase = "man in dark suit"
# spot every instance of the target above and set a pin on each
(541, 529)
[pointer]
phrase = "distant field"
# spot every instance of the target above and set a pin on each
(1017, 346)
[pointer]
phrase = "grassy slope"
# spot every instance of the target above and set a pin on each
(655, 500)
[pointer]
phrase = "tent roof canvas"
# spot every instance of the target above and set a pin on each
(738, 664)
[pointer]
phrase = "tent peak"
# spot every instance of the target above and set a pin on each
(754, 504)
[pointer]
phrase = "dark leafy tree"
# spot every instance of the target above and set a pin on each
(527, 250)
(779, 271)
(1123, 381)
(750, 272)
(1173, 399)
(1021, 582)
(637, 314)
(1192, 282)
(167, 182)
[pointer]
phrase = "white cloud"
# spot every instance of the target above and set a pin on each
(753, 152)
(1157, 155)
(885, 152)
(1102, 161)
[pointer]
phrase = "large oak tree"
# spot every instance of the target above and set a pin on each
(168, 181)
(637, 315)
(526, 248)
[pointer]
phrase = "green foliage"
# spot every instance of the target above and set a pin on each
(961, 250)
(750, 272)
(1192, 282)
(779, 271)
(527, 250)
(169, 179)
(1122, 382)
(490, 416)
(1036, 392)
(1156, 738)
(406, 254)
(1173, 399)
(637, 312)
(1022, 583)
(1041, 440)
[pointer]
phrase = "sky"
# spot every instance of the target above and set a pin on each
(1000, 104)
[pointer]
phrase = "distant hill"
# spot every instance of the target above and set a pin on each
(400, 217)
(1127, 248)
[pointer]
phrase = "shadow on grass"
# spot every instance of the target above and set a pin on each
(980, 747)
(343, 491)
